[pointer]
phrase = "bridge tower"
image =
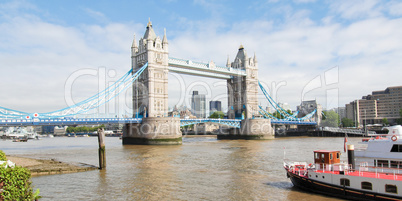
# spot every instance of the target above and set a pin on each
(243, 100)
(150, 93)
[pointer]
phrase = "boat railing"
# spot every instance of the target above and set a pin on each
(338, 167)
(379, 172)
(299, 168)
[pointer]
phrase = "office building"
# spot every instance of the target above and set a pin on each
(214, 106)
(373, 108)
(198, 105)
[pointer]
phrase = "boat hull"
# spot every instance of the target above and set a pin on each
(334, 190)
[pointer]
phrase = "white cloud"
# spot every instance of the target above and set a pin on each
(96, 15)
(357, 9)
(37, 58)
(395, 8)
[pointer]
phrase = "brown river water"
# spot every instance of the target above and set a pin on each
(203, 168)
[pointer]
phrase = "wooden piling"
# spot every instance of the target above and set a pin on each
(102, 150)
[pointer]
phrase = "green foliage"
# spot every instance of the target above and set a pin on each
(331, 120)
(385, 121)
(83, 129)
(16, 183)
(279, 115)
(399, 121)
(217, 115)
(2, 156)
(347, 122)
(187, 127)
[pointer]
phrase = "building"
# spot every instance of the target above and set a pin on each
(341, 111)
(307, 107)
(214, 106)
(198, 105)
(373, 108)
(285, 106)
(150, 90)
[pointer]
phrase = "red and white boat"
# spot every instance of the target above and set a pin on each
(367, 181)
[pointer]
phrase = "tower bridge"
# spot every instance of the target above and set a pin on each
(148, 77)
(150, 92)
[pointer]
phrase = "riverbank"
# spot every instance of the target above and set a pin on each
(40, 167)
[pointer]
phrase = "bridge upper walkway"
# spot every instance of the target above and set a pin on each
(204, 69)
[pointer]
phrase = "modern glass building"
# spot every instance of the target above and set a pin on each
(198, 105)
(214, 106)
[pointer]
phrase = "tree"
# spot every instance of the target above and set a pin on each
(346, 122)
(331, 119)
(279, 115)
(399, 121)
(217, 115)
(385, 121)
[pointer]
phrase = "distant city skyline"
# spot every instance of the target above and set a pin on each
(56, 53)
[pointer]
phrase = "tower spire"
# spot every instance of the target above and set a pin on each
(255, 58)
(228, 62)
(149, 23)
(164, 40)
(149, 33)
(134, 45)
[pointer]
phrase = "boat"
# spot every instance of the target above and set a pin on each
(382, 150)
(331, 177)
(21, 139)
(20, 132)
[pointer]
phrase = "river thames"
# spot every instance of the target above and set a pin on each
(203, 168)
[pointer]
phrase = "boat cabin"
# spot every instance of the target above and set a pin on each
(324, 157)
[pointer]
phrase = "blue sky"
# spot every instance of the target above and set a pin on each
(332, 51)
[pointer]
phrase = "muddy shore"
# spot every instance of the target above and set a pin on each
(40, 167)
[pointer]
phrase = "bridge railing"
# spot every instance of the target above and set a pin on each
(68, 121)
(347, 130)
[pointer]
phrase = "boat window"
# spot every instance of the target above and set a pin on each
(322, 156)
(396, 148)
(345, 182)
(391, 188)
(382, 163)
(396, 164)
(337, 155)
(367, 185)
(317, 156)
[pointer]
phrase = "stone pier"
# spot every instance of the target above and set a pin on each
(153, 131)
(251, 129)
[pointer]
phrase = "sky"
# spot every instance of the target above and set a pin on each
(57, 53)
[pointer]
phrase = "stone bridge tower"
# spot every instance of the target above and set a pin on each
(243, 101)
(243, 91)
(150, 94)
(150, 90)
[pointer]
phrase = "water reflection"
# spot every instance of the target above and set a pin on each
(155, 178)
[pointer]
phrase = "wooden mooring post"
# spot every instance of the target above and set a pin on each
(102, 149)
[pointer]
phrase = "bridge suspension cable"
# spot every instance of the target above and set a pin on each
(90, 103)
(279, 109)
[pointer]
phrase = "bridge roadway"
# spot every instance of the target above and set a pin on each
(91, 121)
